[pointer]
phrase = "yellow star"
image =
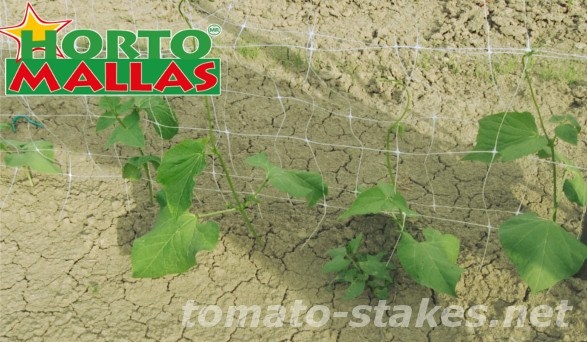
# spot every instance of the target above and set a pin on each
(32, 22)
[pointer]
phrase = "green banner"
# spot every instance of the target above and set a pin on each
(113, 77)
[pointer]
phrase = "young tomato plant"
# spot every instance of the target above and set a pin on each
(178, 234)
(542, 251)
(431, 262)
(360, 270)
(36, 155)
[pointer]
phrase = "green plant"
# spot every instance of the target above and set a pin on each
(178, 234)
(431, 262)
(360, 270)
(124, 117)
(542, 251)
(38, 155)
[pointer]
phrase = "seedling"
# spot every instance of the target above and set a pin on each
(178, 234)
(360, 270)
(36, 155)
(542, 251)
(431, 263)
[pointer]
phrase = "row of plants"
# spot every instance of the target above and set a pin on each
(541, 249)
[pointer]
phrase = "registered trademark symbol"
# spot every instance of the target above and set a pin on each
(214, 30)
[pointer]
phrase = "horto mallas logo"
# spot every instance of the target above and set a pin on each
(109, 64)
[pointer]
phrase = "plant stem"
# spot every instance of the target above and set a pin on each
(244, 204)
(216, 213)
(551, 141)
(149, 178)
(239, 206)
(261, 187)
(583, 271)
(393, 128)
(402, 225)
(187, 21)
(120, 122)
(29, 175)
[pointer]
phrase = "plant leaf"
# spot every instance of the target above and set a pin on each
(112, 109)
(541, 250)
(377, 200)
(576, 189)
(301, 184)
(308, 185)
(567, 133)
(38, 155)
(171, 246)
(132, 169)
(160, 114)
(375, 267)
(566, 119)
(106, 120)
(335, 265)
(354, 244)
(130, 134)
(512, 134)
(432, 262)
(355, 289)
(261, 160)
(179, 166)
(336, 252)
(348, 275)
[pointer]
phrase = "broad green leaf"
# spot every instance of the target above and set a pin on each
(379, 199)
(172, 245)
(541, 250)
(301, 184)
(354, 244)
(130, 134)
(335, 265)
(179, 166)
(566, 119)
(38, 155)
(348, 275)
(106, 120)
(432, 262)
(109, 102)
(308, 185)
(160, 197)
(576, 189)
(567, 133)
(132, 172)
(160, 114)
(336, 252)
(355, 289)
(511, 134)
(112, 109)
(375, 267)
(132, 169)
(261, 160)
